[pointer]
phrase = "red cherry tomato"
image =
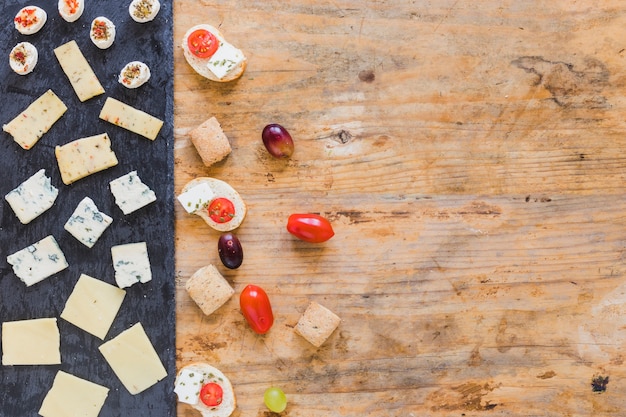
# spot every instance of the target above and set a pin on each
(256, 308)
(221, 210)
(310, 227)
(202, 43)
(211, 394)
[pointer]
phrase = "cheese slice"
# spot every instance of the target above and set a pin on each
(32, 197)
(87, 223)
(31, 342)
(78, 71)
(73, 396)
(130, 118)
(84, 157)
(93, 305)
(133, 359)
(31, 124)
(131, 193)
(38, 261)
(131, 264)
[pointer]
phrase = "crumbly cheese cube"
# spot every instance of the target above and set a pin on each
(196, 197)
(31, 342)
(32, 197)
(87, 223)
(225, 59)
(93, 305)
(131, 193)
(38, 261)
(84, 157)
(131, 264)
(31, 124)
(78, 71)
(133, 359)
(73, 396)
(130, 118)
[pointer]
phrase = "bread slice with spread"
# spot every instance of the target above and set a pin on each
(206, 389)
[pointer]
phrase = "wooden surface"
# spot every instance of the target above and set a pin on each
(471, 158)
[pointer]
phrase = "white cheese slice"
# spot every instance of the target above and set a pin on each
(38, 261)
(225, 59)
(87, 223)
(197, 197)
(84, 157)
(93, 305)
(131, 193)
(133, 359)
(130, 118)
(31, 342)
(32, 197)
(131, 264)
(78, 71)
(188, 385)
(31, 124)
(73, 396)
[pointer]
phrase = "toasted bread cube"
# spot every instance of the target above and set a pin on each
(210, 142)
(317, 324)
(209, 289)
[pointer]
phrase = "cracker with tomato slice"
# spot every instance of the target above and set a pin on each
(206, 389)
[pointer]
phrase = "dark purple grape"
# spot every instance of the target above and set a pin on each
(277, 141)
(230, 250)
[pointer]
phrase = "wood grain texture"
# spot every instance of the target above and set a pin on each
(470, 157)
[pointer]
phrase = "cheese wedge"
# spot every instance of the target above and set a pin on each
(78, 71)
(31, 124)
(130, 118)
(84, 157)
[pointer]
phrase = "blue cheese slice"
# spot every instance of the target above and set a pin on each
(131, 193)
(31, 342)
(131, 264)
(32, 197)
(78, 71)
(73, 396)
(31, 124)
(38, 261)
(84, 157)
(87, 223)
(130, 118)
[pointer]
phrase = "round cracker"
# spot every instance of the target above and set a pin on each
(229, 401)
(221, 189)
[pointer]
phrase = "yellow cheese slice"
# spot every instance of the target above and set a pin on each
(73, 396)
(78, 71)
(130, 118)
(93, 305)
(31, 124)
(31, 342)
(84, 157)
(133, 359)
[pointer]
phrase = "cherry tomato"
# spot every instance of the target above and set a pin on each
(310, 227)
(211, 394)
(202, 43)
(221, 210)
(256, 308)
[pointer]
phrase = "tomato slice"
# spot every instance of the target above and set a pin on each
(211, 394)
(221, 210)
(256, 308)
(202, 43)
(310, 227)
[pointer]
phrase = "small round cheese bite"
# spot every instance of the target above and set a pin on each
(143, 11)
(134, 74)
(29, 20)
(23, 58)
(71, 10)
(102, 32)
(206, 389)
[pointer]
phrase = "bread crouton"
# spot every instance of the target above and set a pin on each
(317, 323)
(210, 142)
(209, 289)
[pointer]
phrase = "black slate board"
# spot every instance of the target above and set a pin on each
(22, 388)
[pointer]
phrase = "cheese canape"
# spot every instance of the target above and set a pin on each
(102, 32)
(134, 74)
(29, 20)
(23, 58)
(71, 10)
(142, 11)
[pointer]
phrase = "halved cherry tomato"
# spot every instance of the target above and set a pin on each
(202, 43)
(256, 308)
(310, 227)
(211, 394)
(221, 210)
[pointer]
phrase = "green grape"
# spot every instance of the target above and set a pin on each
(275, 399)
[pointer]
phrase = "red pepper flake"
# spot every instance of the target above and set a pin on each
(100, 30)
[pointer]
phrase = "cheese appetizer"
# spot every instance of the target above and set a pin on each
(134, 74)
(102, 32)
(206, 389)
(143, 11)
(219, 205)
(30, 20)
(209, 54)
(23, 58)
(71, 10)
